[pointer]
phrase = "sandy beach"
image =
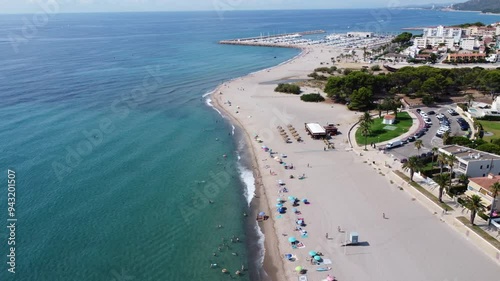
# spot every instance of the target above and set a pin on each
(344, 190)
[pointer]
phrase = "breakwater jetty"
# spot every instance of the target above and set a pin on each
(287, 40)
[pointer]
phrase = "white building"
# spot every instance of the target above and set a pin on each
(469, 43)
(471, 162)
(447, 36)
(497, 33)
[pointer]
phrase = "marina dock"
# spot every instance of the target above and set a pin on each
(276, 40)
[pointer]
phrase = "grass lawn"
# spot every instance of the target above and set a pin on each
(491, 127)
(495, 243)
(379, 134)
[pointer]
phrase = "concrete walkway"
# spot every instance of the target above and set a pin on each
(386, 164)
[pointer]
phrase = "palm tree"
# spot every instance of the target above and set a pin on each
(365, 125)
(442, 181)
(463, 178)
(414, 164)
(418, 145)
(473, 203)
(470, 99)
(495, 190)
(434, 153)
(442, 159)
(446, 137)
(365, 131)
(451, 162)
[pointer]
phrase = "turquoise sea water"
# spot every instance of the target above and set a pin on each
(116, 151)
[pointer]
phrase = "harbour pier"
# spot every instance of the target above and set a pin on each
(286, 40)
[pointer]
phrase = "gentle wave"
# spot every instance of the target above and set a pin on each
(248, 179)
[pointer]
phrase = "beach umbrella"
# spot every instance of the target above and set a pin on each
(278, 200)
(312, 253)
(298, 268)
(291, 198)
(318, 258)
(304, 200)
(279, 205)
(262, 214)
(292, 239)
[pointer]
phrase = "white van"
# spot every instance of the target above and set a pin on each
(394, 144)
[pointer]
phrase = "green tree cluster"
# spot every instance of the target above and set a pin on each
(312, 98)
(430, 83)
(288, 88)
(403, 39)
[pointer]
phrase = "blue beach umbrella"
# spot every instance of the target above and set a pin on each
(291, 198)
(279, 205)
(262, 214)
(292, 239)
(304, 200)
(312, 253)
(318, 258)
(278, 200)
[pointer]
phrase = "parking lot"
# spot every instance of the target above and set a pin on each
(429, 139)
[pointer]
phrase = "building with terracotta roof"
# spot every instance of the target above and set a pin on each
(481, 186)
(471, 57)
(389, 119)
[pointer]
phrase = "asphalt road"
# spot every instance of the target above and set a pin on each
(429, 139)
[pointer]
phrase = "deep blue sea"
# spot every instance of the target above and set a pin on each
(116, 151)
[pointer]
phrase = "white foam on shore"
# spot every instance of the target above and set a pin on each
(208, 101)
(248, 179)
(261, 245)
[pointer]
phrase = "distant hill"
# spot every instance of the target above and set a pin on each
(485, 6)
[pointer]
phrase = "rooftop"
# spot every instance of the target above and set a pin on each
(486, 182)
(389, 117)
(315, 128)
(469, 154)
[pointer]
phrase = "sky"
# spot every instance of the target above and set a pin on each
(71, 6)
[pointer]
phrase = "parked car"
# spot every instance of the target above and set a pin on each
(409, 139)
(404, 160)
(418, 110)
(394, 144)
(452, 112)
(424, 115)
(431, 112)
(440, 116)
(428, 121)
(419, 134)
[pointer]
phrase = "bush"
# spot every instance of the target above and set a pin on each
(489, 118)
(288, 88)
(428, 99)
(375, 68)
(457, 190)
(463, 106)
(312, 98)
(483, 216)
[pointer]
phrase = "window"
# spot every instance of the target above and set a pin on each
(481, 168)
(484, 175)
(487, 166)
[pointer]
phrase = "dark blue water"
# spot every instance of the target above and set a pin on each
(117, 154)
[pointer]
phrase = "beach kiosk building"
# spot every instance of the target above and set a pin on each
(389, 119)
(315, 130)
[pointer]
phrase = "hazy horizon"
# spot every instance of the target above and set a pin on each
(105, 6)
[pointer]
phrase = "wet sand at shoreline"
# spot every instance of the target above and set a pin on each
(343, 190)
